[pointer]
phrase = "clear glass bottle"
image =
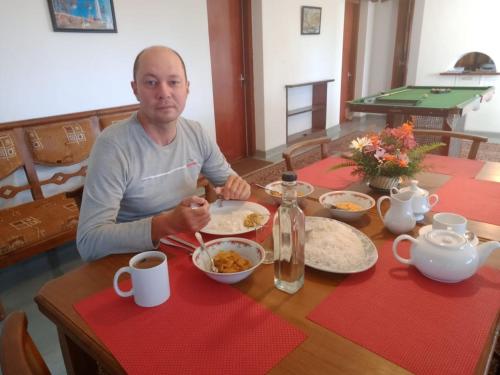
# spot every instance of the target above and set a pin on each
(289, 238)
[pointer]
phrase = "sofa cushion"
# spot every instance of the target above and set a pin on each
(62, 143)
(108, 120)
(36, 222)
(10, 159)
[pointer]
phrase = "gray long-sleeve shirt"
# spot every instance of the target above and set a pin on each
(130, 179)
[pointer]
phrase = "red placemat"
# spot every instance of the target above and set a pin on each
(475, 199)
(204, 328)
(422, 325)
(319, 174)
(452, 166)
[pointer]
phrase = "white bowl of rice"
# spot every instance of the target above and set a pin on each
(347, 205)
(229, 254)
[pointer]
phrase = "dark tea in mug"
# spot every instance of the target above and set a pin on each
(148, 262)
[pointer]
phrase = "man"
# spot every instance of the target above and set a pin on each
(150, 163)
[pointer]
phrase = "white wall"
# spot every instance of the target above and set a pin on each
(449, 29)
(364, 50)
(44, 73)
(375, 52)
(284, 56)
(383, 38)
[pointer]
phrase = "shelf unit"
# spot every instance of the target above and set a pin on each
(483, 73)
(317, 108)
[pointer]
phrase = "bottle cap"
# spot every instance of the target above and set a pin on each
(289, 176)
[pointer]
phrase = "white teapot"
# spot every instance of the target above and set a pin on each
(422, 202)
(444, 255)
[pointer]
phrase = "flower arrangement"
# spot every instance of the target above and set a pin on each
(391, 153)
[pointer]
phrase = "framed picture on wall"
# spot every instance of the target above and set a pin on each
(310, 20)
(96, 16)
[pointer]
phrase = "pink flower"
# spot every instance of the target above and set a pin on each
(409, 142)
(379, 154)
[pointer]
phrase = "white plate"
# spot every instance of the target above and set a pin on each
(426, 228)
(333, 246)
(303, 189)
(233, 209)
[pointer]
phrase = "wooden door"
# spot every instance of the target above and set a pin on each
(226, 53)
(402, 45)
(350, 43)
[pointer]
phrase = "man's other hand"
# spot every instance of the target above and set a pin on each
(190, 215)
(235, 188)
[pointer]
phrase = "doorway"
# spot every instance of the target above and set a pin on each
(402, 45)
(229, 24)
(349, 48)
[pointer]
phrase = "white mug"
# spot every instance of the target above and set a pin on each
(150, 282)
(445, 220)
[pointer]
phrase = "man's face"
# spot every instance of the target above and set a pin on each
(160, 86)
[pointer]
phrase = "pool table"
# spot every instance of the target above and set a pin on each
(448, 105)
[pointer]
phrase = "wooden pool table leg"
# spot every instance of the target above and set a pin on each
(2, 311)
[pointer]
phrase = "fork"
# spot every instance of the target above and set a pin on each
(220, 200)
(172, 243)
(220, 197)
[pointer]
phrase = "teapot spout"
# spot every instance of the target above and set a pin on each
(484, 250)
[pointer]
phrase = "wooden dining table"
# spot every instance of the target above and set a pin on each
(323, 352)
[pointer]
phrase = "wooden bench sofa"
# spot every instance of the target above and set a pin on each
(42, 170)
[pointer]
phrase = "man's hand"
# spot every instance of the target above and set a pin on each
(189, 216)
(235, 188)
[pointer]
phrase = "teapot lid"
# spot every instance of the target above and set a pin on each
(445, 238)
(417, 191)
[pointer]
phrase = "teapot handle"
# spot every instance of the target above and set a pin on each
(435, 198)
(395, 248)
(379, 202)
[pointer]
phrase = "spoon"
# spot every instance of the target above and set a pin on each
(198, 236)
(269, 189)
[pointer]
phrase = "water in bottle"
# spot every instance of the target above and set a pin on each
(289, 239)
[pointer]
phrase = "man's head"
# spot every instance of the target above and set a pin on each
(160, 84)
(136, 61)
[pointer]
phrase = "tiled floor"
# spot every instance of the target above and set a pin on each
(20, 283)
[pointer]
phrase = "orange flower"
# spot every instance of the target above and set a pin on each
(375, 140)
(407, 128)
(403, 163)
(390, 157)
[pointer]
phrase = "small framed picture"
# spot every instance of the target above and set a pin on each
(310, 20)
(96, 16)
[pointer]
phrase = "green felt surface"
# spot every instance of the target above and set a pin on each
(421, 96)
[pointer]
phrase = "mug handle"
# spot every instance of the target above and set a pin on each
(394, 190)
(395, 248)
(436, 199)
(379, 202)
(118, 291)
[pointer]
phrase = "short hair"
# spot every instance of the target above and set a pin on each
(137, 58)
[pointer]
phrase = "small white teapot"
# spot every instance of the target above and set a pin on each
(421, 202)
(444, 255)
